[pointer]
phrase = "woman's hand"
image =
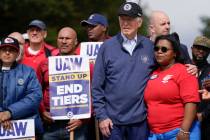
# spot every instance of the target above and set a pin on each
(182, 136)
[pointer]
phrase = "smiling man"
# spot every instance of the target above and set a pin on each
(200, 53)
(37, 49)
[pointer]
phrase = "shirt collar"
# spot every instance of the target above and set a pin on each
(126, 39)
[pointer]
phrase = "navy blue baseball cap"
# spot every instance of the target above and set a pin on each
(37, 23)
(10, 42)
(94, 20)
(130, 9)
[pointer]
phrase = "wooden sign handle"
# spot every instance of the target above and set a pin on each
(71, 135)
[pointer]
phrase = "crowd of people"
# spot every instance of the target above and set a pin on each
(143, 87)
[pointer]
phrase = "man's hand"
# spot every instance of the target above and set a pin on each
(4, 116)
(105, 126)
(181, 136)
(47, 117)
(74, 124)
(7, 125)
(204, 94)
(206, 84)
(192, 69)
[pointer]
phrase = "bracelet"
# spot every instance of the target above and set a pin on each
(184, 132)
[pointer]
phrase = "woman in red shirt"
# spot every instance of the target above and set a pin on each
(171, 95)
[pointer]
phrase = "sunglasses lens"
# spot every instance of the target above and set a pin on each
(201, 48)
(156, 49)
(164, 49)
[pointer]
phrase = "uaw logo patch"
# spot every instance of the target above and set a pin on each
(144, 59)
(127, 7)
(166, 78)
(8, 40)
(153, 76)
(20, 82)
(70, 114)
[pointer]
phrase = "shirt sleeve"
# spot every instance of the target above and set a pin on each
(98, 86)
(188, 86)
(40, 76)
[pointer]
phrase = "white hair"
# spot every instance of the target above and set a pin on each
(138, 18)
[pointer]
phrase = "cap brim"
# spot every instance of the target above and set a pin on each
(6, 45)
(202, 45)
(85, 23)
(127, 14)
(29, 26)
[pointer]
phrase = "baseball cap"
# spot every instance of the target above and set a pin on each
(11, 42)
(201, 41)
(130, 9)
(95, 19)
(37, 23)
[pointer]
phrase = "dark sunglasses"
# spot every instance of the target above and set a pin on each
(91, 26)
(162, 48)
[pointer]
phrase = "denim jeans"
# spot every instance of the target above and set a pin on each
(195, 133)
(138, 131)
(57, 131)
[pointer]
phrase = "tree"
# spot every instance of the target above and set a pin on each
(206, 29)
(16, 15)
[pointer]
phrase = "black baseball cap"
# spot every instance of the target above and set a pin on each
(130, 9)
(11, 42)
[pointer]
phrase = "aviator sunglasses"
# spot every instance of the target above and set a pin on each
(162, 48)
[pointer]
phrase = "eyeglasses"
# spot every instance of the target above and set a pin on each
(90, 26)
(162, 48)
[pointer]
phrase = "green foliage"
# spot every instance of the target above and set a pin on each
(206, 29)
(16, 15)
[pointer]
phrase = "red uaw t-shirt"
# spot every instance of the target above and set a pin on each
(165, 95)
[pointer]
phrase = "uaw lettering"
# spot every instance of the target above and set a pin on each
(20, 129)
(66, 64)
(69, 87)
(90, 49)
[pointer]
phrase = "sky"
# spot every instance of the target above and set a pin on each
(184, 16)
